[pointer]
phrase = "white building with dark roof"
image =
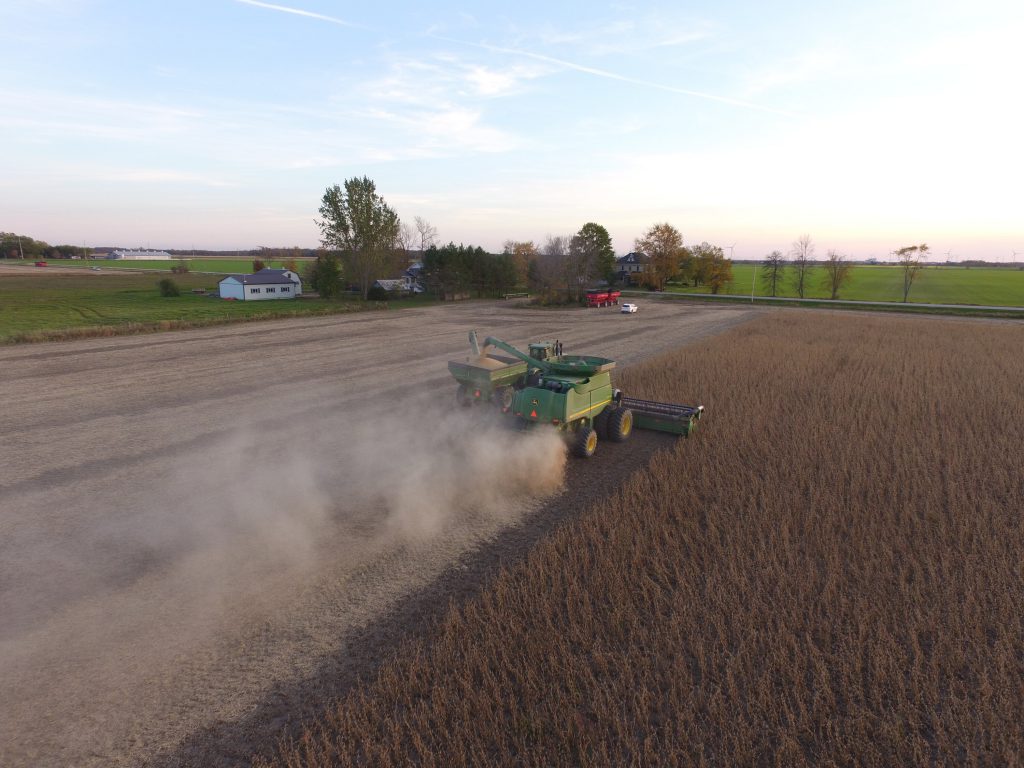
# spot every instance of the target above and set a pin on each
(140, 255)
(265, 284)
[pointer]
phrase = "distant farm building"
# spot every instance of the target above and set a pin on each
(140, 255)
(630, 268)
(404, 285)
(265, 284)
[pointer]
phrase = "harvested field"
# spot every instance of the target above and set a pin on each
(205, 536)
(829, 575)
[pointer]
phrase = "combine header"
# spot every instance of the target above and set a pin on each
(572, 393)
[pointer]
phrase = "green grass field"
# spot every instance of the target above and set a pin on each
(933, 285)
(41, 306)
(218, 266)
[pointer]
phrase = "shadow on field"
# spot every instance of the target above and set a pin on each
(284, 711)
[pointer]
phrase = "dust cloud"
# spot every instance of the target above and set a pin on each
(109, 583)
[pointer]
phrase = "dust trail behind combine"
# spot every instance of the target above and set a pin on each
(109, 631)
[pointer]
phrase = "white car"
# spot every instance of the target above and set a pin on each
(629, 308)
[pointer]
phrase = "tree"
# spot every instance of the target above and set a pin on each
(663, 247)
(909, 258)
(837, 272)
(522, 253)
(257, 265)
(772, 271)
(700, 260)
(591, 249)
(325, 276)
(407, 237)
(709, 265)
(719, 271)
(427, 233)
(802, 255)
(362, 227)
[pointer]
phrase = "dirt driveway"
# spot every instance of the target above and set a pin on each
(205, 535)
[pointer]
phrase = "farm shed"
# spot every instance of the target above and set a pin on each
(264, 285)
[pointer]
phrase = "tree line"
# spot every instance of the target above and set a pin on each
(15, 246)
(777, 270)
(363, 239)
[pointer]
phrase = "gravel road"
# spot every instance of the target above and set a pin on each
(205, 535)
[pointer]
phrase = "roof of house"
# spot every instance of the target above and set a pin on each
(632, 258)
(277, 277)
(392, 285)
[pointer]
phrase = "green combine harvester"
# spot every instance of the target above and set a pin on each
(572, 393)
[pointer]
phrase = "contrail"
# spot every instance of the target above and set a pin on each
(623, 79)
(297, 12)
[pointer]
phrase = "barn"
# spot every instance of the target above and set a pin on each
(265, 284)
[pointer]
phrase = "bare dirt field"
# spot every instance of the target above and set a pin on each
(205, 535)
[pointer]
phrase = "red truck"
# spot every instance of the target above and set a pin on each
(40, 263)
(602, 297)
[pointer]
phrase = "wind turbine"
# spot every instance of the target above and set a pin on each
(1015, 256)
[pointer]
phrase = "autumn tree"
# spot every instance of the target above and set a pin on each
(522, 253)
(709, 265)
(801, 257)
(663, 247)
(772, 271)
(837, 272)
(910, 259)
(257, 265)
(358, 223)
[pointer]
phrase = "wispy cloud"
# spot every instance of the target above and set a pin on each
(160, 175)
(630, 35)
(594, 71)
(297, 12)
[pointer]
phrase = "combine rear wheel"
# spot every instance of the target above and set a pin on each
(620, 425)
(502, 398)
(585, 442)
(462, 397)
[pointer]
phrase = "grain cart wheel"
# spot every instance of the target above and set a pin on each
(462, 396)
(620, 425)
(585, 442)
(502, 398)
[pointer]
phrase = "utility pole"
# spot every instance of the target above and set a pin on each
(20, 249)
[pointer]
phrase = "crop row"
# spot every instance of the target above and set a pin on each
(829, 574)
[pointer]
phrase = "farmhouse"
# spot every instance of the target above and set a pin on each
(140, 255)
(630, 267)
(265, 284)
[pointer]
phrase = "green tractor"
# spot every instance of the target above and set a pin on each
(572, 393)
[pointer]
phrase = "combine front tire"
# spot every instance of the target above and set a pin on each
(620, 425)
(585, 442)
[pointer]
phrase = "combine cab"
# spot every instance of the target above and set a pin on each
(572, 393)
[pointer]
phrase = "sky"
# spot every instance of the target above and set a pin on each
(218, 124)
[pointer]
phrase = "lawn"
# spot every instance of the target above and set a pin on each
(933, 285)
(38, 306)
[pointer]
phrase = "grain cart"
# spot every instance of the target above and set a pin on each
(573, 393)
